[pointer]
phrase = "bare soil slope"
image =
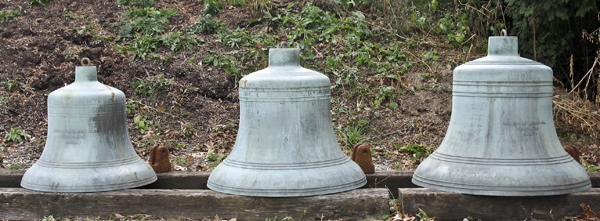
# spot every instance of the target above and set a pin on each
(194, 109)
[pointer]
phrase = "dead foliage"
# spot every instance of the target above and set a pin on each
(574, 114)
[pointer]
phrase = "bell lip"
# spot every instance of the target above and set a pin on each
(502, 191)
(287, 192)
(576, 179)
(89, 189)
(351, 177)
(133, 174)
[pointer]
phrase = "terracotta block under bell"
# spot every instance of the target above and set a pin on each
(159, 159)
(361, 154)
(573, 151)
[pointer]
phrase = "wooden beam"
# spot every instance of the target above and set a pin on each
(455, 206)
(23, 204)
(180, 180)
(391, 180)
(10, 178)
(197, 180)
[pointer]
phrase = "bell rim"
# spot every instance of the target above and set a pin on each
(89, 188)
(266, 192)
(133, 172)
(465, 188)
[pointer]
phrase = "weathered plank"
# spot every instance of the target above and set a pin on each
(19, 204)
(455, 206)
(180, 180)
(197, 180)
(391, 180)
(10, 178)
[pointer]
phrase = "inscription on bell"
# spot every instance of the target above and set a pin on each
(71, 136)
(527, 128)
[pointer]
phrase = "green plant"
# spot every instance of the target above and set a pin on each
(454, 26)
(347, 75)
(12, 85)
(242, 3)
(385, 93)
(140, 46)
(591, 168)
(205, 25)
(187, 129)
(41, 2)
(177, 40)
(395, 52)
(276, 218)
(131, 105)
(183, 161)
(48, 218)
(14, 167)
(212, 7)
(151, 84)
(353, 133)
(16, 135)
(85, 29)
(423, 216)
(5, 15)
(236, 38)
(302, 215)
(420, 152)
(217, 157)
(150, 21)
(3, 100)
(433, 55)
(228, 63)
(142, 123)
(145, 27)
(313, 17)
(143, 3)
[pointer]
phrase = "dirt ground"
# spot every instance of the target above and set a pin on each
(198, 113)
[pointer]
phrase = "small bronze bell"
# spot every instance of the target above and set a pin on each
(87, 147)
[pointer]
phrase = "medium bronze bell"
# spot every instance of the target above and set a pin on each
(501, 139)
(285, 144)
(87, 147)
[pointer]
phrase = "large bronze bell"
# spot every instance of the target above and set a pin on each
(501, 139)
(285, 144)
(87, 147)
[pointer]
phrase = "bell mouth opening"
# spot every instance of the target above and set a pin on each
(85, 74)
(279, 57)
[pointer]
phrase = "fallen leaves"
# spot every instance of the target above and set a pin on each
(588, 213)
